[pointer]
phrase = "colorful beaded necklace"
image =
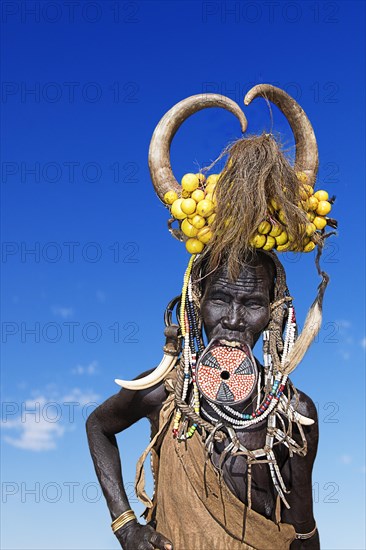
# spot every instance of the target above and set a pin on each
(231, 419)
(193, 347)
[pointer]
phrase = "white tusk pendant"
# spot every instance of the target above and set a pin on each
(166, 365)
(294, 415)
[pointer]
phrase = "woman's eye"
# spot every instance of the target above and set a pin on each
(218, 299)
(254, 306)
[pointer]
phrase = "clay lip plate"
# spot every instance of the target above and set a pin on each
(226, 372)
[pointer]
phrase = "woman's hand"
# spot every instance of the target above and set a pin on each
(134, 536)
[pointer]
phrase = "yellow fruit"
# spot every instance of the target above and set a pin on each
(170, 197)
(190, 182)
(310, 229)
(211, 219)
(177, 211)
(213, 179)
(188, 229)
(313, 202)
(282, 238)
(210, 188)
(194, 246)
(321, 195)
(308, 189)
(304, 205)
(282, 217)
(271, 210)
(324, 207)
(284, 247)
(205, 208)
(274, 204)
(258, 241)
(264, 228)
(201, 178)
(270, 243)
(309, 247)
(310, 215)
(319, 222)
(303, 193)
(204, 235)
(188, 206)
(276, 230)
(209, 197)
(301, 176)
(198, 195)
(197, 221)
(185, 194)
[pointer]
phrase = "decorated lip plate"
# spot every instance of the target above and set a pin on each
(226, 374)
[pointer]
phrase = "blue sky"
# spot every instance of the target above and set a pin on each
(83, 87)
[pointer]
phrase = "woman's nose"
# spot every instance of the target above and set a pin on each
(234, 318)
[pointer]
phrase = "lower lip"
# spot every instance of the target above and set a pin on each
(230, 343)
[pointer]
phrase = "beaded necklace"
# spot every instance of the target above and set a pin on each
(230, 420)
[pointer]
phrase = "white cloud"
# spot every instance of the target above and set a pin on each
(34, 436)
(88, 369)
(81, 397)
(63, 312)
(343, 323)
(42, 420)
(346, 459)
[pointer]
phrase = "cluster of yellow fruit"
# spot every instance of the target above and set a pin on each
(272, 232)
(195, 210)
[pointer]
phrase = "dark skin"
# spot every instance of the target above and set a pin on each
(238, 311)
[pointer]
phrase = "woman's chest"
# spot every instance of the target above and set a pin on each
(245, 467)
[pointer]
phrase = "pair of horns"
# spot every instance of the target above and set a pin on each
(306, 159)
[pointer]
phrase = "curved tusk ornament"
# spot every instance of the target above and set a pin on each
(171, 355)
(293, 415)
(162, 370)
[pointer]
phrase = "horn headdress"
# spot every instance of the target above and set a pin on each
(306, 162)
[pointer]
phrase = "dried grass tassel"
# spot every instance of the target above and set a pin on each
(312, 324)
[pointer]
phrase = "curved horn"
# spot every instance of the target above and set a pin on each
(306, 147)
(159, 153)
(166, 365)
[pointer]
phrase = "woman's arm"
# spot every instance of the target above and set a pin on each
(115, 415)
(298, 470)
